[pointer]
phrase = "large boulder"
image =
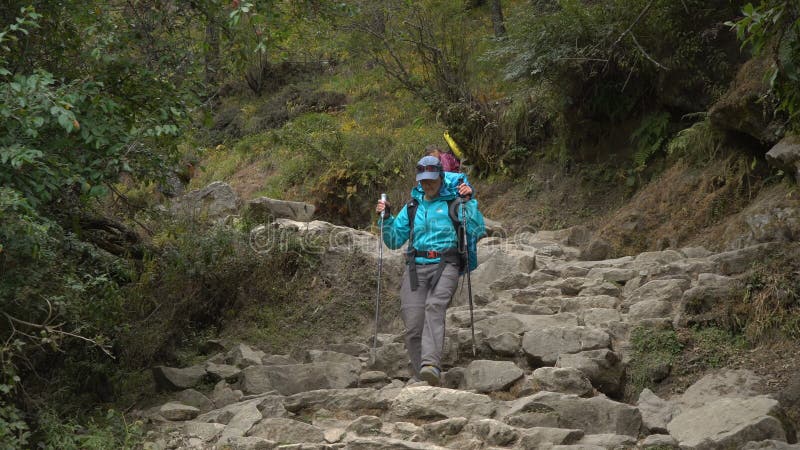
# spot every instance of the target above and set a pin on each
(215, 201)
(596, 415)
(738, 383)
(739, 260)
(175, 379)
(728, 423)
(426, 402)
(195, 398)
(178, 411)
(564, 380)
(669, 290)
(243, 355)
(543, 346)
(603, 367)
(499, 261)
(742, 109)
(489, 376)
(656, 412)
(786, 155)
(268, 209)
(241, 423)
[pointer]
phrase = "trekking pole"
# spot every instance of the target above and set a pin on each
(469, 281)
(380, 269)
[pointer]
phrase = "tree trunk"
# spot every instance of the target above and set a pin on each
(497, 19)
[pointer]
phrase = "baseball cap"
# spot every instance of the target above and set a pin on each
(429, 168)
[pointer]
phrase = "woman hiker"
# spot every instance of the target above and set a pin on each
(433, 261)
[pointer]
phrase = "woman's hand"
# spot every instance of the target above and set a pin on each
(383, 206)
(464, 190)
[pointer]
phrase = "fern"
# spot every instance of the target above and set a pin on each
(649, 138)
(698, 143)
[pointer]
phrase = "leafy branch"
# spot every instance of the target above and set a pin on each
(775, 22)
(28, 19)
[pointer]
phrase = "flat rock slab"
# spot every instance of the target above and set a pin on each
(426, 402)
(544, 345)
(178, 411)
(728, 423)
(295, 378)
(265, 208)
(596, 415)
(489, 376)
(174, 379)
(722, 383)
(563, 380)
(520, 323)
(339, 399)
(287, 431)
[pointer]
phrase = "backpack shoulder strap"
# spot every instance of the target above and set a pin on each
(411, 210)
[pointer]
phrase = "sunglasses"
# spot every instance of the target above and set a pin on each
(421, 169)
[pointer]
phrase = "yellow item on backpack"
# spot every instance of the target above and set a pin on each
(453, 145)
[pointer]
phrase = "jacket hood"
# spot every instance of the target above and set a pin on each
(447, 192)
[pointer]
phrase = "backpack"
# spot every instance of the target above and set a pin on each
(450, 162)
(471, 246)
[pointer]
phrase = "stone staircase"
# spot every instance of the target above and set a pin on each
(552, 344)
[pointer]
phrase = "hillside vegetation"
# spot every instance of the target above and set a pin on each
(644, 121)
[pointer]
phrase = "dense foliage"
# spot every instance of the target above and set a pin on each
(615, 60)
(83, 99)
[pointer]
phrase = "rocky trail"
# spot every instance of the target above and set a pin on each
(553, 338)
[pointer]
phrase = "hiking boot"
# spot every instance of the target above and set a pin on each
(431, 375)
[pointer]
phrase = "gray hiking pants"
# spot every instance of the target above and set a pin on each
(423, 313)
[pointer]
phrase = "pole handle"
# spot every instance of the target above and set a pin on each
(384, 198)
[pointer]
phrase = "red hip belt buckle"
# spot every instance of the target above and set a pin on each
(431, 254)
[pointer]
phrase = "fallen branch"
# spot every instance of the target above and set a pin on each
(641, 15)
(641, 49)
(629, 31)
(53, 330)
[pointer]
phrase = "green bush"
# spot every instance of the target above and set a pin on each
(62, 310)
(110, 431)
(14, 431)
(774, 27)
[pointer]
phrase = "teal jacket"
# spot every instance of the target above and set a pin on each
(433, 227)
